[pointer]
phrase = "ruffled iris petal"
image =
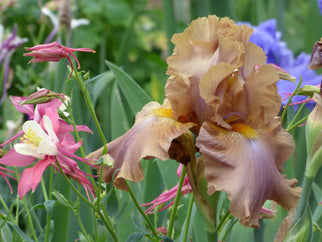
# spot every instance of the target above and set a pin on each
(248, 169)
(151, 136)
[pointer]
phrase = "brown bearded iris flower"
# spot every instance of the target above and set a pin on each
(220, 89)
(151, 136)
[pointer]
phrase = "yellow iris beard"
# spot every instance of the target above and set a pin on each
(163, 112)
(245, 130)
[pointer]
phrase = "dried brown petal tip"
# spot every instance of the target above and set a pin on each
(316, 57)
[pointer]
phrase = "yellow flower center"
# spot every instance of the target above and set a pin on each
(163, 112)
(31, 138)
(245, 130)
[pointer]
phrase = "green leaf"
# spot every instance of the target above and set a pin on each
(25, 237)
(119, 120)
(49, 205)
(138, 224)
(100, 83)
(112, 204)
(166, 239)
(134, 94)
(135, 237)
(42, 236)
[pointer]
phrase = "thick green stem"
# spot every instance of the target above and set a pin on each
(176, 201)
(187, 221)
(305, 195)
(141, 211)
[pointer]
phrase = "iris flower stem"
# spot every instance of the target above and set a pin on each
(176, 201)
(188, 217)
(90, 105)
(147, 220)
(304, 199)
(104, 219)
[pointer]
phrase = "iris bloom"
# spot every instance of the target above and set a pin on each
(7, 48)
(47, 138)
(54, 52)
(221, 89)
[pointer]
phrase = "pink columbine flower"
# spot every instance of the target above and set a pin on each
(54, 52)
(45, 137)
(169, 195)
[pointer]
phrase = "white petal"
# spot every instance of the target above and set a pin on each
(47, 147)
(49, 128)
(35, 127)
(27, 149)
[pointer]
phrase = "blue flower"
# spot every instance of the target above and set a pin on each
(7, 47)
(320, 5)
(269, 39)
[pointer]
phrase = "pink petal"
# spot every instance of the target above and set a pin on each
(31, 177)
(12, 158)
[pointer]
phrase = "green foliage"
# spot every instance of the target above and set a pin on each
(132, 40)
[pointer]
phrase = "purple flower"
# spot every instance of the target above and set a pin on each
(8, 46)
(320, 5)
(269, 39)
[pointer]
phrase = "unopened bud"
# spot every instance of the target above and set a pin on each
(308, 90)
(313, 135)
(107, 160)
(283, 74)
(42, 96)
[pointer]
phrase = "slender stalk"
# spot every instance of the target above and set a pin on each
(176, 201)
(187, 221)
(228, 230)
(141, 211)
(221, 223)
(90, 105)
(212, 235)
(80, 223)
(288, 129)
(30, 219)
(289, 100)
(105, 220)
(43, 187)
(296, 115)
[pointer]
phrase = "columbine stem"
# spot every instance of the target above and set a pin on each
(30, 219)
(176, 201)
(289, 101)
(105, 220)
(90, 105)
(141, 211)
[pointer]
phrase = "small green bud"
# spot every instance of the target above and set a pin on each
(313, 135)
(308, 90)
(107, 160)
